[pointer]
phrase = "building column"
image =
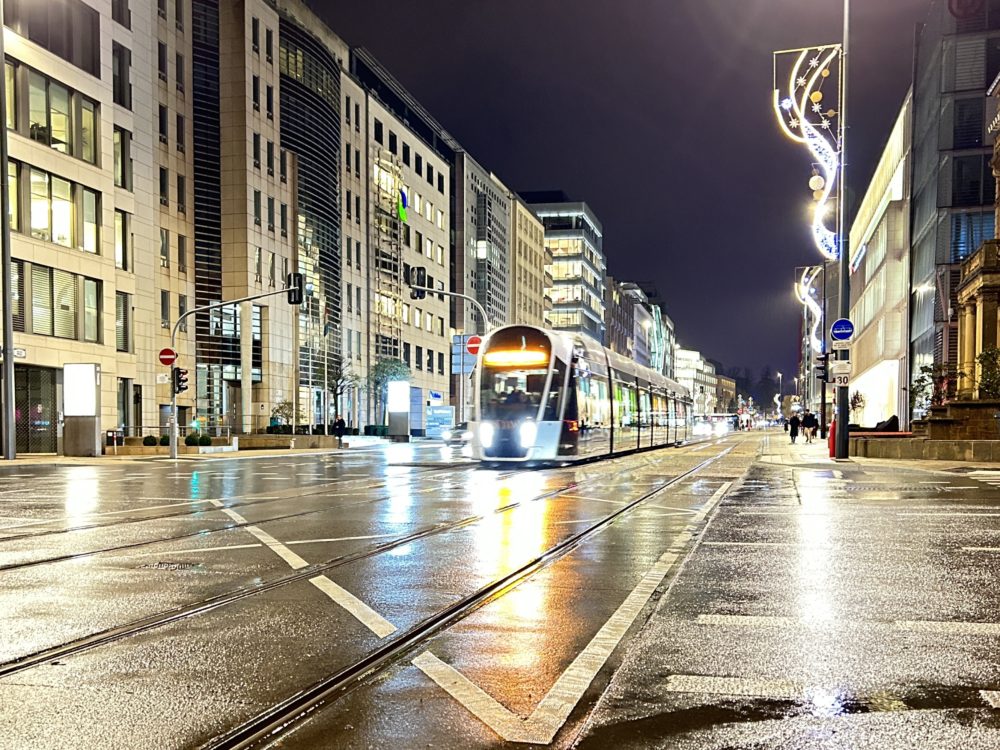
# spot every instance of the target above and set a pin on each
(246, 366)
(967, 348)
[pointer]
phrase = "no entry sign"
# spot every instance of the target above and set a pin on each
(472, 345)
(167, 356)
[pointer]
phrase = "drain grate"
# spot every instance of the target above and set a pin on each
(169, 565)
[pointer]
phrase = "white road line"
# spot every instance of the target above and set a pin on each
(192, 551)
(980, 549)
(364, 614)
(541, 727)
(992, 697)
(949, 514)
(757, 688)
(765, 544)
(949, 628)
(293, 560)
(340, 539)
(110, 513)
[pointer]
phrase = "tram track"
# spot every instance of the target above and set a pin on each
(151, 622)
(283, 717)
(201, 533)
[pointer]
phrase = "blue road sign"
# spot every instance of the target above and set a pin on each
(842, 330)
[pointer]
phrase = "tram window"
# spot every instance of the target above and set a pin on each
(644, 408)
(511, 393)
(555, 391)
(592, 402)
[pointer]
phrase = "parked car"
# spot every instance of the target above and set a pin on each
(457, 435)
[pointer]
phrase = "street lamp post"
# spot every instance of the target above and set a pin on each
(6, 287)
(845, 270)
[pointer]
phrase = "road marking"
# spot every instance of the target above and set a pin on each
(932, 482)
(111, 513)
(364, 614)
(992, 697)
(293, 560)
(981, 549)
(949, 628)
(192, 551)
(547, 718)
(946, 513)
(766, 544)
(340, 539)
(756, 688)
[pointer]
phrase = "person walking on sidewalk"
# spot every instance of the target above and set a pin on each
(338, 429)
(809, 426)
(793, 426)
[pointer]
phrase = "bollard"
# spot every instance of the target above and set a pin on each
(831, 439)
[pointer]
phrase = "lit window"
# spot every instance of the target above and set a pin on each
(62, 212)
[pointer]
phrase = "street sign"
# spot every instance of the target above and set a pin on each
(167, 356)
(842, 330)
(840, 366)
(842, 380)
(839, 346)
(472, 345)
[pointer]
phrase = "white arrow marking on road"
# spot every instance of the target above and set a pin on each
(547, 718)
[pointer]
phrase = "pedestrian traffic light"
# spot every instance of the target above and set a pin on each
(418, 278)
(180, 379)
(296, 285)
(822, 367)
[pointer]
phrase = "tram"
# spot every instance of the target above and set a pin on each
(544, 396)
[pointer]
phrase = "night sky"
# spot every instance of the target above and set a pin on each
(658, 114)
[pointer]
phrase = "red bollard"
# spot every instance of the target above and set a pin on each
(831, 438)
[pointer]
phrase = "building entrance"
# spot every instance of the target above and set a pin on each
(36, 414)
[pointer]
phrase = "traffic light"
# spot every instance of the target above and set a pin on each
(180, 379)
(418, 278)
(822, 367)
(296, 285)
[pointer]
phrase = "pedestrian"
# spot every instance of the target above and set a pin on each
(809, 425)
(793, 426)
(339, 426)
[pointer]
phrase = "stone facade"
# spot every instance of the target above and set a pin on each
(978, 296)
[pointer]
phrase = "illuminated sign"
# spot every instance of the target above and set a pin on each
(80, 384)
(399, 397)
(515, 358)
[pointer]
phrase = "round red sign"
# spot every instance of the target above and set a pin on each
(167, 356)
(472, 344)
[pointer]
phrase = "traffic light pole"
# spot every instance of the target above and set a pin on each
(482, 310)
(173, 339)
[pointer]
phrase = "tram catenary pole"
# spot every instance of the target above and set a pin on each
(845, 281)
(173, 339)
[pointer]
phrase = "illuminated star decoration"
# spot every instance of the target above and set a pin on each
(809, 121)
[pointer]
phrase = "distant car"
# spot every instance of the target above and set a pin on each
(457, 435)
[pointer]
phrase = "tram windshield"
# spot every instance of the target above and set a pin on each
(511, 393)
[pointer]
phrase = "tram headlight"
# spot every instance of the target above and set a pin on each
(486, 432)
(527, 433)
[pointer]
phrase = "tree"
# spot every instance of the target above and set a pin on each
(340, 381)
(989, 373)
(385, 371)
(934, 386)
(284, 411)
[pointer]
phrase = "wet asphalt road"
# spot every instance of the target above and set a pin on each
(848, 605)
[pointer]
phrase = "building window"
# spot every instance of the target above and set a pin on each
(57, 116)
(441, 184)
(91, 221)
(269, 101)
(123, 159)
(182, 253)
(255, 34)
(357, 118)
(357, 292)
(283, 164)
(182, 307)
(419, 360)
(270, 213)
(284, 220)
(179, 69)
(378, 132)
(121, 65)
(357, 209)
(350, 297)
(11, 99)
(179, 15)
(121, 239)
(88, 131)
(428, 322)
(255, 93)
(164, 308)
(268, 45)
(430, 360)
(357, 161)
(41, 300)
(69, 29)
(418, 164)
(164, 186)
(257, 264)
(392, 143)
(270, 157)
(349, 204)
(357, 253)
(122, 308)
(440, 363)
(161, 60)
(161, 8)
(270, 271)
(164, 248)
(181, 137)
(256, 207)
(91, 310)
(181, 194)
(120, 13)
(256, 150)
(430, 174)
(347, 159)
(347, 110)
(14, 195)
(406, 154)
(163, 119)
(406, 353)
